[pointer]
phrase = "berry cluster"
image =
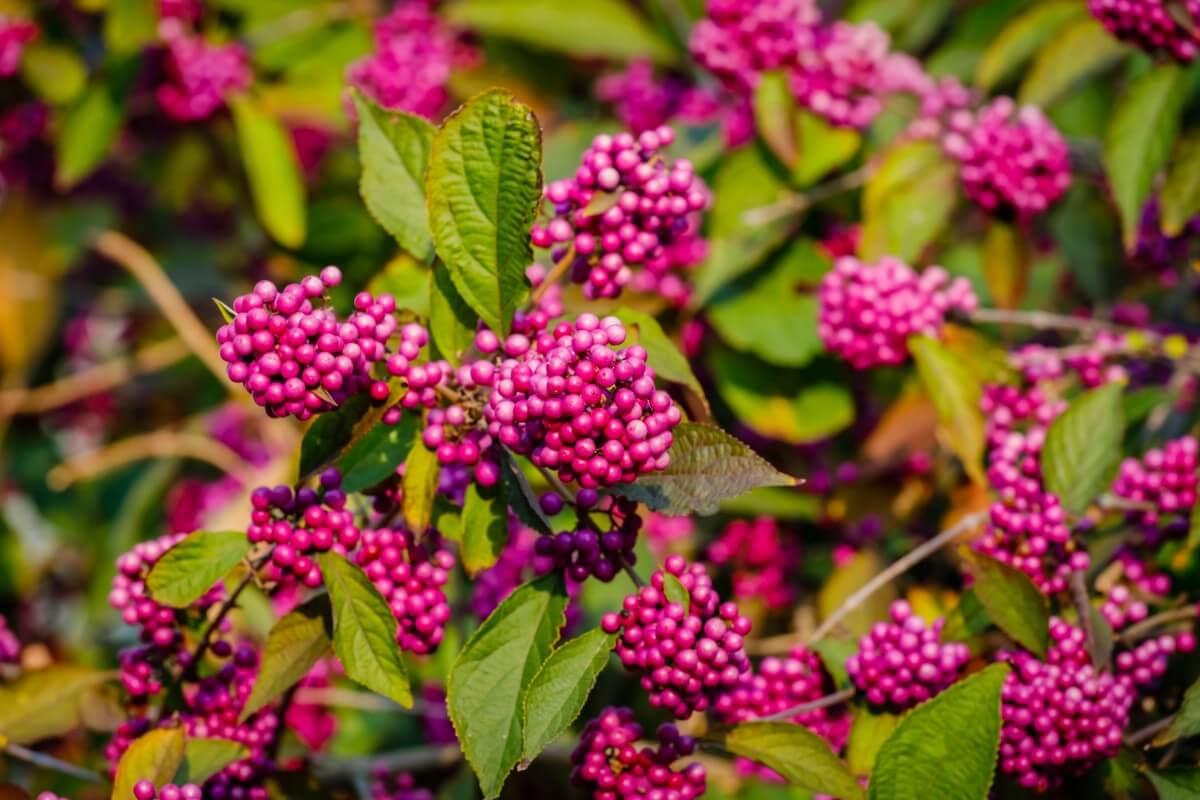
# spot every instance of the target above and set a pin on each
(841, 77)
(685, 655)
(1011, 160)
(760, 558)
(1089, 361)
(15, 33)
(10, 645)
(1164, 479)
(903, 663)
(624, 209)
(302, 524)
(867, 312)
(146, 790)
(1060, 716)
(200, 77)
(1121, 607)
(609, 765)
(584, 553)
(577, 405)
(414, 54)
(410, 576)
(397, 786)
(1153, 25)
(1146, 662)
(738, 40)
(299, 360)
(643, 101)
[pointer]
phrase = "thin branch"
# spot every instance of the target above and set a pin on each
(633, 575)
(1042, 320)
(50, 762)
(902, 565)
(226, 606)
(1148, 732)
(1077, 586)
(840, 696)
(157, 444)
(774, 645)
(798, 203)
(1137, 631)
(553, 276)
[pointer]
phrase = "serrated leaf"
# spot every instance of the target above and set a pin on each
(847, 578)
(965, 620)
(1083, 48)
(595, 29)
(421, 472)
(560, 688)
(394, 150)
(195, 565)
(955, 391)
(1007, 259)
(775, 116)
(821, 147)
(869, 730)
(908, 201)
(492, 673)
(661, 353)
(1186, 721)
(484, 188)
(1177, 783)
(330, 433)
(296, 642)
(946, 747)
(364, 630)
(276, 181)
(1083, 447)
(205, 757)
(1180, 196)
(153, 757)
(520, 496)
(1011, 601)
(484, 527)
(707, 466)
(800, 756)
(451, 321)
(1021, 38)
(45, 703)
(1140, 134)
(375, 456)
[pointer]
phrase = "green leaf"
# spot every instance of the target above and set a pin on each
(421, 472)
(350, 436)
(707, 466)
(946, 747)
(1011, 601)
(966, 620)
(595, 29)
(796, 753)
(1083, 447)
(205, 757)
(451, 320)
(394, 150)
(374, 457)
(1180, 195)
(129, 25)
(276, 182)
(773, 501)
(821, 147)
(296, 642)
(87, 133)
(1007, 259)
(364, 630)
(330, 433)
(153, 757)
(45, 703)
(1186, 721)
(676, 592)
(520, 495)
(1177, 783)
(407, 280)
(1083, 48)
(868, 732)
(488, 681)
(908, 201)
(775, 116)
(484, 526)
(55, 73)
(1141, 132)
(484, 188)
(1021, 38)
(195, 565)
(661, 353)
(561, 687)
(955, 391)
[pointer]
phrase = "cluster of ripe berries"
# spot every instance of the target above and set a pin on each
(410, 575)
(302, 524)
(146, 790)
(626, 208)
(686, 652)
(760, 558)
(297, 359)
(1164, 479)
(200, 76)
(15, 33)
(867, 312)
(904, 663)
(585, 553)
(609, 765)
(1153, 25)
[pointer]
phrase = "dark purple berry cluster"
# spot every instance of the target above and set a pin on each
(410, 576)
(609, 765)
(585, 552)
(302, 524)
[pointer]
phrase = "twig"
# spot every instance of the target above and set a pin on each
(840, 696)
(93, 380)
(774, 645)
(797, 203)
(1136, 631)
(633, 576)
(555, 483)
(226, 606)
(157, 444)
(553, 276)
(133, 257)
(50, 762)
(1148, 732)
(902, 565)
(1042, 320)
(1077, 586)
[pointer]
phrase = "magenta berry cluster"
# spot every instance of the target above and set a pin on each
(1152, 25)
(15, 33)
(10, 645)
(1164, 479)
(586, 552)
(1146, 662)
(738, 40)
(398, 786)
(643, 101)
(685, 654)
(1090, 361)
(609, 765)
(1011, 160)
(294, 358)
(903, 663)
(841, 77)
(301, 524)
(761, 560)
(578, 406)
(146, 790)
(622, 210)
(1060, 716)
(410, 575)
(868, 311)
(200, 77)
